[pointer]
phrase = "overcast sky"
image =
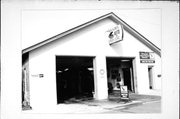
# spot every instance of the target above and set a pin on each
(39, 25)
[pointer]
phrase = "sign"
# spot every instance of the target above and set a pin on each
(115, 34)
(147, 57)
(41, 75)
(37, 75)
(147, 61)
(124, 92)
(102, 71)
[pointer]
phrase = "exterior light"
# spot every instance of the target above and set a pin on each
(90, 69)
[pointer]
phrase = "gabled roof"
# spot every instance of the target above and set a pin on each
(113, 17)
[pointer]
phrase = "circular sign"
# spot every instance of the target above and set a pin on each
(102, 71)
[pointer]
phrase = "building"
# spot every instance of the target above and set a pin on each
(92, 60)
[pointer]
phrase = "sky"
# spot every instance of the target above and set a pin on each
(38, 25)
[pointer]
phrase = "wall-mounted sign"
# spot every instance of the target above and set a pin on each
(147, 57)
(35, 75)
(41, 75)
(38, 75)
(115, 34)
(102, 71)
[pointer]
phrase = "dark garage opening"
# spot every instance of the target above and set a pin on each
(74, 77)
(119, 72)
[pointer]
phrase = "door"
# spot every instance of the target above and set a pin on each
(127, 78)
(74, 77)
(150, 74)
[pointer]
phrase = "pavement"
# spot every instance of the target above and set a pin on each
(92, 106)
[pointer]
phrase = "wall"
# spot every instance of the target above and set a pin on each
(91, 41)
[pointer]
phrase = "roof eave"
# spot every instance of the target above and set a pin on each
(136, 34)
(110, 15)
(65, 33)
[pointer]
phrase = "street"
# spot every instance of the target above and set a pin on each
(149, 107)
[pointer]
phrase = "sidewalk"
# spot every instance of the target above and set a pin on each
(114, 101)
(91, 106)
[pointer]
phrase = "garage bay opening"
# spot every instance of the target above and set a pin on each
(74, 78)
(120, 72)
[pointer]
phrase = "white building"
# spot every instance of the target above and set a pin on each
(85, 60)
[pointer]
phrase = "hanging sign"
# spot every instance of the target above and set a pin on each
(115, 34)
(147, 57)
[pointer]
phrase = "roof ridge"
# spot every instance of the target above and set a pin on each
(62, 34)
(113, 17)
(136, 31)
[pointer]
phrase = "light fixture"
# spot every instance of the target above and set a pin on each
(66, 69)
(124, 60)
(90, 68)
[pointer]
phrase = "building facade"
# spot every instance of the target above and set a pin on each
(92, 59)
